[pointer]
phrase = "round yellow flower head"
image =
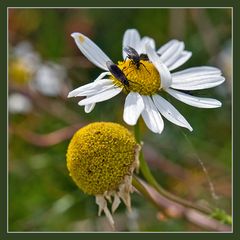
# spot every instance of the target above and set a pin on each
(101, 158)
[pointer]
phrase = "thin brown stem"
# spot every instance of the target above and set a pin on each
(176, 210)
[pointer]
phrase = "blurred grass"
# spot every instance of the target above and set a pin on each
(42, 197)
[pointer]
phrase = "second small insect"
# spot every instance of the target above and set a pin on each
(117, 73)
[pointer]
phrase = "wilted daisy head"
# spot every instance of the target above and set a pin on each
(143, 74)
(101, 158)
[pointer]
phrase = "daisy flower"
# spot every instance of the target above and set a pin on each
(147, 80)
(101, 159)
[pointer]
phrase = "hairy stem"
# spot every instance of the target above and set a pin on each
(163, 204)
(152, 181)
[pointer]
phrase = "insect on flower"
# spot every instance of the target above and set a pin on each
(136, 58)
(133, 55)
(144, 85)
(117, 73)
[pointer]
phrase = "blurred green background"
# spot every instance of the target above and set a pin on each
(45, 64)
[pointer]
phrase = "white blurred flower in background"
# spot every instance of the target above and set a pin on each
(49, 79)
(27, 67)
(19, 103)
(29, 57)
(23, 63)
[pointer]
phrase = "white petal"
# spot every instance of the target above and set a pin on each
(91, 51)
(92, 88)
(170, 112)
(200, 83)
(131, 38)
(194, 101)
(172, 53)
(101, 96)
(167, 46)
(196, 71)
(144, 41)
(133, 108)
(102, 75)
(165, 75)
(88, 108)
(124, 191)
(182, 58)
(102, 206)
(197, 78)
(116, 202)
(151, 116)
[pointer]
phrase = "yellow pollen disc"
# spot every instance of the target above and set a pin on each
(144, 80)
(100, 155)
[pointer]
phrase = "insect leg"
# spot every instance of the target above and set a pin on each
(145, 67)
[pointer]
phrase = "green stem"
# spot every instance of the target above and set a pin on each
(151, 180)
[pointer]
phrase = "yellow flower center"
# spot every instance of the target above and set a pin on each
(19, 72)
(144, 79)
(100, 155)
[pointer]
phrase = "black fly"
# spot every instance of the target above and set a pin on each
(117, 73)
(144, 56)
(133, 55)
